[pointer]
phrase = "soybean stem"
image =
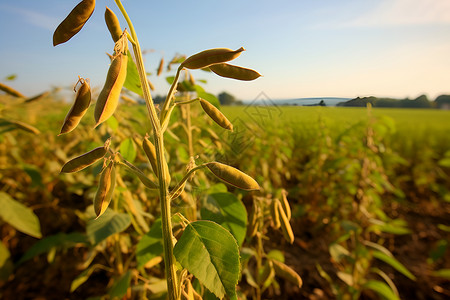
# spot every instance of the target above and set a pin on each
(169, 261)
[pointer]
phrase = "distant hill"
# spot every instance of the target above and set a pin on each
(420, 102)
(328, 101)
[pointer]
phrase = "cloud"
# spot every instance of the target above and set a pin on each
(32, 17)
(390, 13)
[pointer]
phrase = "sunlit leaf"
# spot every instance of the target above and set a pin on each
(211, 254)
(393, 263)
(19, 216)
(227, 210)
(132, 82)
(381, 288)
(128, 149)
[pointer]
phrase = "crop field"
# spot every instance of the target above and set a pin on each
(353, 203)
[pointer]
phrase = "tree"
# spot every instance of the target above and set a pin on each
(226, 99)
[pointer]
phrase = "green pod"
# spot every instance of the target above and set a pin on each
(85, 160)
(232, 176)
(73, 23)
(209, 57)
(79, 108)
(112, 22)
(216, 115)
(105, 189)
(109, 96)
(234, 72)
(10, 91)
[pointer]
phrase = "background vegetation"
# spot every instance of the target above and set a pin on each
(369, 192)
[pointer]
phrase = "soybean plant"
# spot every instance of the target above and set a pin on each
(216, 268)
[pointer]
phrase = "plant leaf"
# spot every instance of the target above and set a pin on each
(120, 287)
(228, 211)
(393, 262)
(106, 225)
(210, 253)
(150, 245)
(19, 216)
(132, 82)
(66, 240)
(381, 288)
(128, 149)
(6, 265)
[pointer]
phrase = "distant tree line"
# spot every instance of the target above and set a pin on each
(441, 102)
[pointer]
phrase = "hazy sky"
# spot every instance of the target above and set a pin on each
(304, 48)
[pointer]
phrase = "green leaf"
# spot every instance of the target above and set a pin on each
(60, 240)
(82, 278)
(445, 162)
(150, 245)
(276, 255)
(170, 79)
(227, 210)
(6, 265)
(443, 273)
(390, 260)
(132, 82)
(35, 175)
(381, 288)
(106, 225)
(128, 149)
(210, 253)
(112, 123)
(120, 287)
(207, 96)
(19, 216)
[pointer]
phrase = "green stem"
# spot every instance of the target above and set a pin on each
(169, 261)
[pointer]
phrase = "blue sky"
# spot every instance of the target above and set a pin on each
(329, 48)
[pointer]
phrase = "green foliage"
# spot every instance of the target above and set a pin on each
(210, 253)
(108, 224)
(19, 216)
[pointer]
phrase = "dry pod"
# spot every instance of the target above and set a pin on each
(232, 176)
(109, 96)
(209, 57)
(287, 273)
(285, 225)
(23, 126)
(274, 213)
(160, 67)
(216, 115)
(10, 91)
(105, 189)
(150, 151)
(79, 108)
(113, 24)
(253, 224)
(85, 160)
(285, 204)
(234, 72)
(37, 97)
(73, 23)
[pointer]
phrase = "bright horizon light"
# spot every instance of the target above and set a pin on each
(348, 48)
